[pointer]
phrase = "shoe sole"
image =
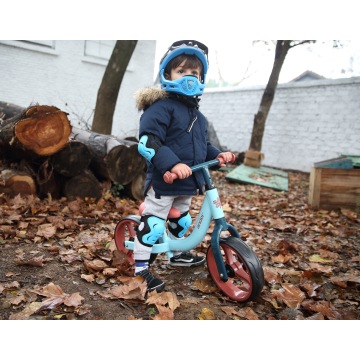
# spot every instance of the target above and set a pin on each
(158, 288)
(187, 264)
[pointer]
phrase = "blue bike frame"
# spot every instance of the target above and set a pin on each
(211, 209)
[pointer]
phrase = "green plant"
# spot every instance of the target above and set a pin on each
(151, 311)
(107, 245)
(115, 189)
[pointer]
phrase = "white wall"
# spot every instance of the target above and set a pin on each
(63, 75)
(308, 121)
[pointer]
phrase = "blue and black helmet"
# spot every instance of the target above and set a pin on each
(187, 85)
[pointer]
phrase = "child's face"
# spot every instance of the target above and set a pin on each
(181, 71)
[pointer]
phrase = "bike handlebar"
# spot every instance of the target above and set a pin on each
(170, 177)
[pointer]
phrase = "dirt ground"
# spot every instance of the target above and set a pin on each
(310, 259)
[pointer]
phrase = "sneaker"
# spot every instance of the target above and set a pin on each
(187, 259)
(152, 282)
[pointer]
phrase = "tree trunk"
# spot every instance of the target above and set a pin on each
(84, 185)
(72, 160)
(10, 110)
(136, 188)
(282, 47)
(110, 85)
(40, 130)
(16, 181)
(112, 158)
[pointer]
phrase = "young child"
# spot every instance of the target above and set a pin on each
(173, 137)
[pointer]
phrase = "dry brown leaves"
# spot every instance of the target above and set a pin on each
(343, 280)
(163, 299)
(290, 295)
(88, 278)
(326, 308)
(207, 314)
(165, 313)
(28, 311)
(55, 297)
(133, 289)
(46, 230)
(36, 261)
(248, 313)
(204, 286)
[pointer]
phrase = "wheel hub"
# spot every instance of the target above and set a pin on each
(230, 271)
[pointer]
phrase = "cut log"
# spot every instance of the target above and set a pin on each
(84, 185)
(51, 186)
(43, 130)
(15, 181)
(10, 110)
(136, 188)
(72, 160)
(112, 158)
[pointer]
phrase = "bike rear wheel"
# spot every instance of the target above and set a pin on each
(246, 275)
(126, 231)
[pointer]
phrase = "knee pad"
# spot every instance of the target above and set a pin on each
(179, 226)
(149, 146)
(150, 229)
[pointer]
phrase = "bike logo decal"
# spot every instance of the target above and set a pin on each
(217, 203)
(200, 221)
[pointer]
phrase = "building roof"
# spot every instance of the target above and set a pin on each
(307, 76)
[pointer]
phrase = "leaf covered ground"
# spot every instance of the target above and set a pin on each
(58, 260)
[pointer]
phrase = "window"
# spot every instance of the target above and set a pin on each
(99, 48)
(48, 43)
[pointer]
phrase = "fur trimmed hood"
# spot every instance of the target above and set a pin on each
(147, 96)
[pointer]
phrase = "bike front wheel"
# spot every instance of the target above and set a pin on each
(246, 275)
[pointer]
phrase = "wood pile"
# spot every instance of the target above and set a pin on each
(43, 154)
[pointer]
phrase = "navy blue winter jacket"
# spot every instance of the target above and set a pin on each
(168, 119)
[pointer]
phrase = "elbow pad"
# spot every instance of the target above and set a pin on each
(149, 146)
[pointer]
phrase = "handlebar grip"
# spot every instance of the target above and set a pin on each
(221, 161)
(169, 177)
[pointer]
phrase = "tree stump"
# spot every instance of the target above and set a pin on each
(84, 185)
(15, 181)
(112, 158)
(43, 130)
(72, 160)
(135, 189)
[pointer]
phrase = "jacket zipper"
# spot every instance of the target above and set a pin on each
(191, 124)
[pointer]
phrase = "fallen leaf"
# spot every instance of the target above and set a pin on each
(310, 287)
(324, 307)
(191, 301)
(28, 311)
(207, 314)
(46, 231)
(290, 295)
(55, 297)
(343, 279)
(228, 310)
(329, 254)
(88, 278)
(17, 299)
(134, 289)
(164, 313)
(36, 261)
(248, 313)
(319, 259)
(226, 208)
(110, 271)
(204, 286)
(163, 299)
(354, 259)
(96, 264)
(106, 295)
(272, 276)
(11, 274)
(321, 268)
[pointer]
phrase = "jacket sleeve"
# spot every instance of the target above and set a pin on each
(212, 151)
(156, 120)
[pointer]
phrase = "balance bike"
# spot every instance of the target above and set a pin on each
(232, 264)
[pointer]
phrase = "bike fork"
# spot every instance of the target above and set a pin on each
(220, 225)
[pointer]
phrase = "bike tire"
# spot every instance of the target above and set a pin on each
(128, 223)
(245, 267)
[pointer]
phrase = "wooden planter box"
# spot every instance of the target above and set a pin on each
(331, 189)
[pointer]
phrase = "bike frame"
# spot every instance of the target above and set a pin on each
(211, 209)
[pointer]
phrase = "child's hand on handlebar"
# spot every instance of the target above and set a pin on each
(181, 170)
(227, 157)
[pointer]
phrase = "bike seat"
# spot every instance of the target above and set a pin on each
(173, 213)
